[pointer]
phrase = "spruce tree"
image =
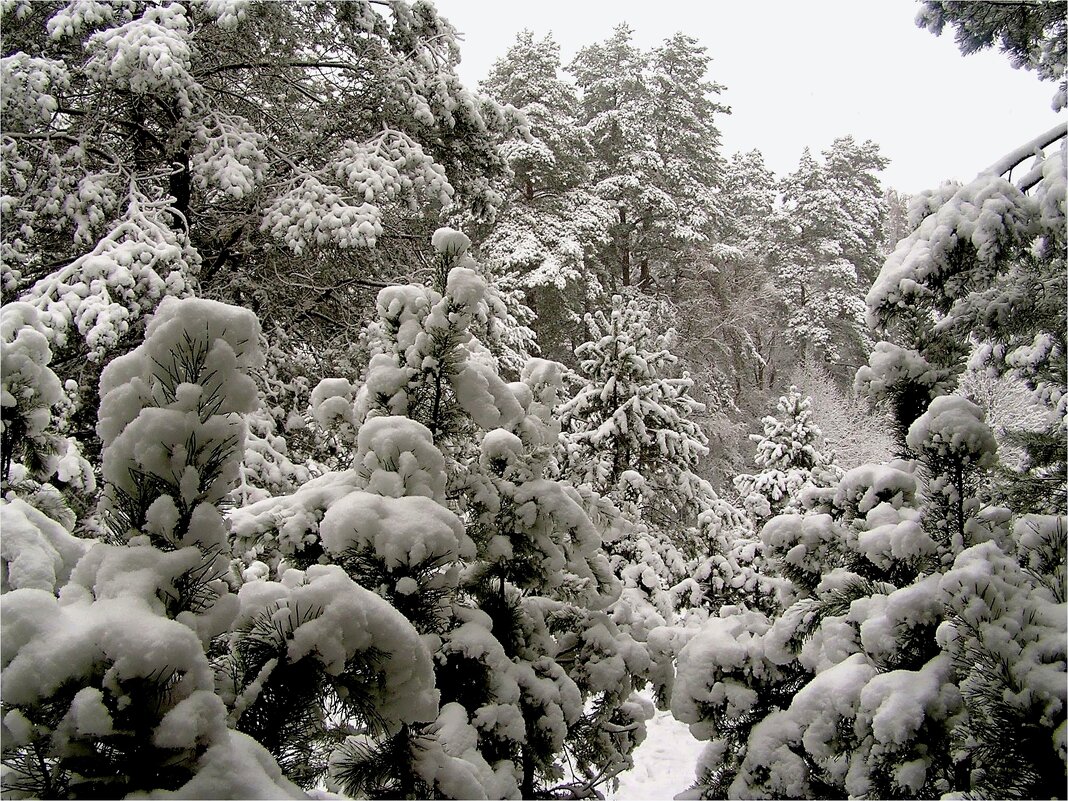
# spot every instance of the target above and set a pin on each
(630, 428)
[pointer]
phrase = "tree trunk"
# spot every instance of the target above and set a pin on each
(527, 788)
(624, 248)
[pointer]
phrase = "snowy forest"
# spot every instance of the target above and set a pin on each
(366, 434)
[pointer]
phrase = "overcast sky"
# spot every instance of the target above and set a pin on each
(801, 72)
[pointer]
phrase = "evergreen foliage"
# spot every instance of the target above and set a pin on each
(790, 455)
(378, 546)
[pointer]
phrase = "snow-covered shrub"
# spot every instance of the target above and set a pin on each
(108, 689)
(35, 458)
(894, 653)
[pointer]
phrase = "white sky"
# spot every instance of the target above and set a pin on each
(801, 72)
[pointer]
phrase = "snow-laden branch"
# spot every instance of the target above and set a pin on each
(248, 65)
(1027, 150)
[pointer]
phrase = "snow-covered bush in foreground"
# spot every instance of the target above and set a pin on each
(107, 689)
(897, 661)
(127, 664)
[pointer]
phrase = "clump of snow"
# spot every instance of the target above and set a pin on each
(287, 524)
(863, 488)
(29, 388)
(404, 532)
(450, 242)
(891, 367)
(954, 427)
(396, 457)
(331, 402)
(327, 617)
(37, 552)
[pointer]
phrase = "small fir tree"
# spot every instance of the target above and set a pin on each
(790, 455)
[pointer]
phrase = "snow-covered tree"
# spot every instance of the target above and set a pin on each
(1032, 35)
(110, 690)
(551, 219)
(630, 429)
(162, 149)
(650, 118)
(918, 626)
(37, 462)
(826, 245)
(726, 307)
(893, 648)
(791, 458)
(981, 280)
(849, 428)
(449, 513)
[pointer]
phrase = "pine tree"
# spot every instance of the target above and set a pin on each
(1031, 35)
(985, 264)
(650, 120)
(790, 455)
(541, 238)
(916, 623)
(826, 247)
(450, 512)
(896, 642)
(157, 150)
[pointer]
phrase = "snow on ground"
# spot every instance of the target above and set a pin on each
(663, 764)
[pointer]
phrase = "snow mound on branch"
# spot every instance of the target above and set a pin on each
(234, 766)
(863, 488)
(955, 427)
(396, 457)
(27, 381)
(48, 642)
(450, 242)
(31, 88)
(287, 524)
(894, 536)
(37, 552)
(989, 214)
(891, 366)
(811, 724)
(328, 617)
(404, 532)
